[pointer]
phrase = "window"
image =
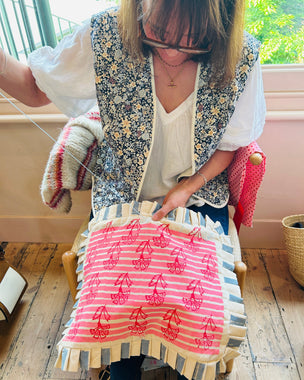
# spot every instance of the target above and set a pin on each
(279, 25)
(29, 24)
(26, 25)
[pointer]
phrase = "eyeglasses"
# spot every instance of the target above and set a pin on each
(162, 45)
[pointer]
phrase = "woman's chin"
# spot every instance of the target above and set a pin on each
(172, 56)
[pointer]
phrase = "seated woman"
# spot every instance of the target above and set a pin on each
(179, 89)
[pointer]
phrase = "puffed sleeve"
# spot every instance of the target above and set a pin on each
(66, 73)
(248, 119)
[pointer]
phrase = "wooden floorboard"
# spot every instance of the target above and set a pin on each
(274, 302)
(266, 331)
(289, 297)
(32, 264)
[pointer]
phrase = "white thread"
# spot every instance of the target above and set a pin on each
(3, 72)
(45, 132)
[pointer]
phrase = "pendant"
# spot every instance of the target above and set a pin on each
(171, 84)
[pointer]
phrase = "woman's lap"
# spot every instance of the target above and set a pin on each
(129, 369)
(216, 214)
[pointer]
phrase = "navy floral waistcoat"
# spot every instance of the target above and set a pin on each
(127, 105)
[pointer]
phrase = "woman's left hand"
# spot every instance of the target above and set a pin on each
(177, 197)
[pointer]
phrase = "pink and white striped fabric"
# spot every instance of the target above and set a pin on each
(165, 289)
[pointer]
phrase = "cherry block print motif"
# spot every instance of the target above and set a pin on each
(153, 284)
(149, 289)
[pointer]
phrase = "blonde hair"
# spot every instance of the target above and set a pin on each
(128, 21)
(221, 20)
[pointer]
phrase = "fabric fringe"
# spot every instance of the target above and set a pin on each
(72, 356)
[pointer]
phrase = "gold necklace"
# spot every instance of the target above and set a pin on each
(171, 84)
(169, 64)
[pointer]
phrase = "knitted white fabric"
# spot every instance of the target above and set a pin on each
(63, 173)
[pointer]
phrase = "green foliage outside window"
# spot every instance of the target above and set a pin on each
(279, 25)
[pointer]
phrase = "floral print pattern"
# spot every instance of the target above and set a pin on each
(126, 102)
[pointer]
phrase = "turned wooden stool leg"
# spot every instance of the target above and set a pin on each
(70, 264)
(240, 270)
(229, 366)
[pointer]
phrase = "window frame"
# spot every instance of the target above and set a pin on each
(284, 89)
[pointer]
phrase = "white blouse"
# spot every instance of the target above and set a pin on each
(171, 151)
(66, 75)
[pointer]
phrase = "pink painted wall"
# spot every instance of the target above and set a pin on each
(282, 192)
